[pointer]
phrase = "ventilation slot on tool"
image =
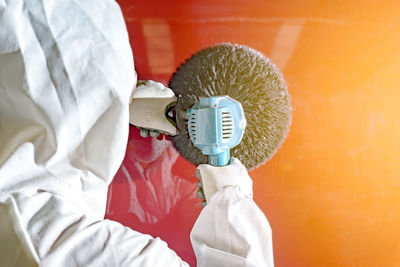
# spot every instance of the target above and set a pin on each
(227, 125)
(192, 126)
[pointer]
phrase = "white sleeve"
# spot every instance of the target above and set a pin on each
(231, 230)
(66, 74)
(43, 229)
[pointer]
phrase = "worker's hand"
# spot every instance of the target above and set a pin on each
(151, 107)
(213, 179)
(143, 131)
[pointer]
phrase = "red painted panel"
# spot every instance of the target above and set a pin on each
(331, 193)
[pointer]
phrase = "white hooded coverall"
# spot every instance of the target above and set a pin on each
(66, 74)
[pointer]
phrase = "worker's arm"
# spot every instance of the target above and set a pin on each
(231, 230)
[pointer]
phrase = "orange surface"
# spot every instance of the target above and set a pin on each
(332, 192)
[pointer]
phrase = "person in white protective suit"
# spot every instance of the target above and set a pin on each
(66, 75)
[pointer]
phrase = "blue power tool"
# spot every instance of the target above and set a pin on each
(215, 125)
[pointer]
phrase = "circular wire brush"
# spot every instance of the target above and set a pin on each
(250, 78)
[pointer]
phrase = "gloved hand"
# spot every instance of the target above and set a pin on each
(148, 106)
(213, 179)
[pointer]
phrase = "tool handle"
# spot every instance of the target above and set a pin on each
(220, 159)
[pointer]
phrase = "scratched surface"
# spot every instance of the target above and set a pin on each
(332, 192)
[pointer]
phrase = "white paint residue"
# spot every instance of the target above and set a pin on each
(134, 205)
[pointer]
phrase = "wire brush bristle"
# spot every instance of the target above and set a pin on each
(247, 76)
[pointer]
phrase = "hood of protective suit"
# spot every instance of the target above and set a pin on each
(76, 66)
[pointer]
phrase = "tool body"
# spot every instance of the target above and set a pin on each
(215, 125)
